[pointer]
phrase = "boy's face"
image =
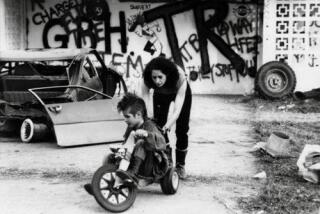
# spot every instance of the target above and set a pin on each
(132, 120)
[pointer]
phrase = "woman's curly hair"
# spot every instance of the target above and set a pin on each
(167, 67)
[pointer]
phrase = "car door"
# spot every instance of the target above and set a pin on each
(82, 122)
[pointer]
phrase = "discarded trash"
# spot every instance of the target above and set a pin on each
(278, 145)
(260, 175)
(286, 107)
(309, 163)
(282, 107)
(258, 146)
(313, 94)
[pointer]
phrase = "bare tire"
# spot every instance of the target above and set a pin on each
(170, 182)
(275, 80)
(31, 131)
(110, 197)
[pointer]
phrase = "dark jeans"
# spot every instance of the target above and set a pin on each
(161, 104)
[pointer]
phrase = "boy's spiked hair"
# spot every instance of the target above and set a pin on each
(133, 102)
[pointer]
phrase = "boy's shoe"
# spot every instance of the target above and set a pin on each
(132, 172)
(127, 176)
(181, 172)
(88, 188)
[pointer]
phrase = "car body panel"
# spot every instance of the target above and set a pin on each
(89, 133)
(84, 122)
(41, 54)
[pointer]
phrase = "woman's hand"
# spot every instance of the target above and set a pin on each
(165, 129)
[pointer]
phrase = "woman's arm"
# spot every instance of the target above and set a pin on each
(146, 94)
(178, 103)
(142, 89)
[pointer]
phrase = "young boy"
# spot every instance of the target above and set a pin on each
(147, 137)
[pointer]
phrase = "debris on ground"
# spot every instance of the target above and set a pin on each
(309, 163)
(284, 191)
(312, 94)
(278, 145)
(286, 107)
(259, 146)
(260, 175)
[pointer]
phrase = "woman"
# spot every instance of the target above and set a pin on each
(170, 84)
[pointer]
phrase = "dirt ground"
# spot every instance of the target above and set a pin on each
(43, 178)
(285, 191)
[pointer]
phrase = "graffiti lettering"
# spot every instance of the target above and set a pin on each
(315, 23)
(140, 7)
(219, 70)
(203, 28)
(184, 50)
(246, 44)
(311, 59)
(53, 12)
(85, 32)
(120, 29)
(68, 23)
(299, 57)
(63, 38)
(224, 70)
(193, 40)
(134, 65)
(241, 25)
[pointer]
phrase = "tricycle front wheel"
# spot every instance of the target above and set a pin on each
(107, 191)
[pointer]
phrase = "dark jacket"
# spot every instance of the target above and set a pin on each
(155, 140)
(156, 162)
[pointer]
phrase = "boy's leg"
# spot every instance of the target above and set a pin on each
(129, 146)
(137, 158)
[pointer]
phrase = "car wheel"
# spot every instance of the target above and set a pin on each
(170, 182)
(110, 195)
(275, 80)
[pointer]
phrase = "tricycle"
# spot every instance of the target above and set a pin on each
(117, 192)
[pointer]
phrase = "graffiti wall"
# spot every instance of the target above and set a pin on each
(217, 43)
(292, 30)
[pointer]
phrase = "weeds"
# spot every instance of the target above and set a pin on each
(284, 191)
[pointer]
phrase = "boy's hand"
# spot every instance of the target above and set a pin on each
(141, 133)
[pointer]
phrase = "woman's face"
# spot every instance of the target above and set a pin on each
(158, 78)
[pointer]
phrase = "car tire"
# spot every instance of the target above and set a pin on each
(107, 195)
(170, 182)
(31, 131)
(275, 80)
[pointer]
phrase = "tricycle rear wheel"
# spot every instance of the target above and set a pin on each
(170, 182)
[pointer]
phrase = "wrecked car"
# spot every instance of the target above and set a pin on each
(67, 94)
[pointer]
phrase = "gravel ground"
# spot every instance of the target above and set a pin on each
(43, 178)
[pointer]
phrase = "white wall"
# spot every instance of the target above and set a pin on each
(292, 33)
(52, 20)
